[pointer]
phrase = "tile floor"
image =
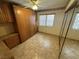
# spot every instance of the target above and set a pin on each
(4, 51)
(70, 49)
(40, 46)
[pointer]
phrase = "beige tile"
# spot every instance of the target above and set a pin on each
(4, 51)
(40, 46)
(70, 49)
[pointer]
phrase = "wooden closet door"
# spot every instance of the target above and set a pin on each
(5, 13)
(32, 23)
(22, 19)
(35, 25)
(12, 40)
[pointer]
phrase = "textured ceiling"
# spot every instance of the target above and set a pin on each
(44, 4)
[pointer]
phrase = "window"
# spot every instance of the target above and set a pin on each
(46, 20)
(76, 23)
(50, 20)
(42, 20)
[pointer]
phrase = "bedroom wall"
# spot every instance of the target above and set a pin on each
(59, 14)
(55, 29)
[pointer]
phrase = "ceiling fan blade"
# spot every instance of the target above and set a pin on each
(28, 4)
(41, 5)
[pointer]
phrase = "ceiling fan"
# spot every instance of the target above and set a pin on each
(35, 4)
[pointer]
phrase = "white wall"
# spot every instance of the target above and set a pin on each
(59, 14)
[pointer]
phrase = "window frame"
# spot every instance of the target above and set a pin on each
(52, 19)
(46, 18)
(39, 22)
(74, 22)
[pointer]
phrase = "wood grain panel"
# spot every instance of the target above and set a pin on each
(32, 23)
(12, 41)
(22, 18)
(25, 19)
(5, 13)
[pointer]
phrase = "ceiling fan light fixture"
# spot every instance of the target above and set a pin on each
(35, 7)
(34, 1)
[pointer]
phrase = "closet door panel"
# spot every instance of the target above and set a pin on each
(22, 19)
(26, 22)
(32, 23)
(12, 41)
(5, 13)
